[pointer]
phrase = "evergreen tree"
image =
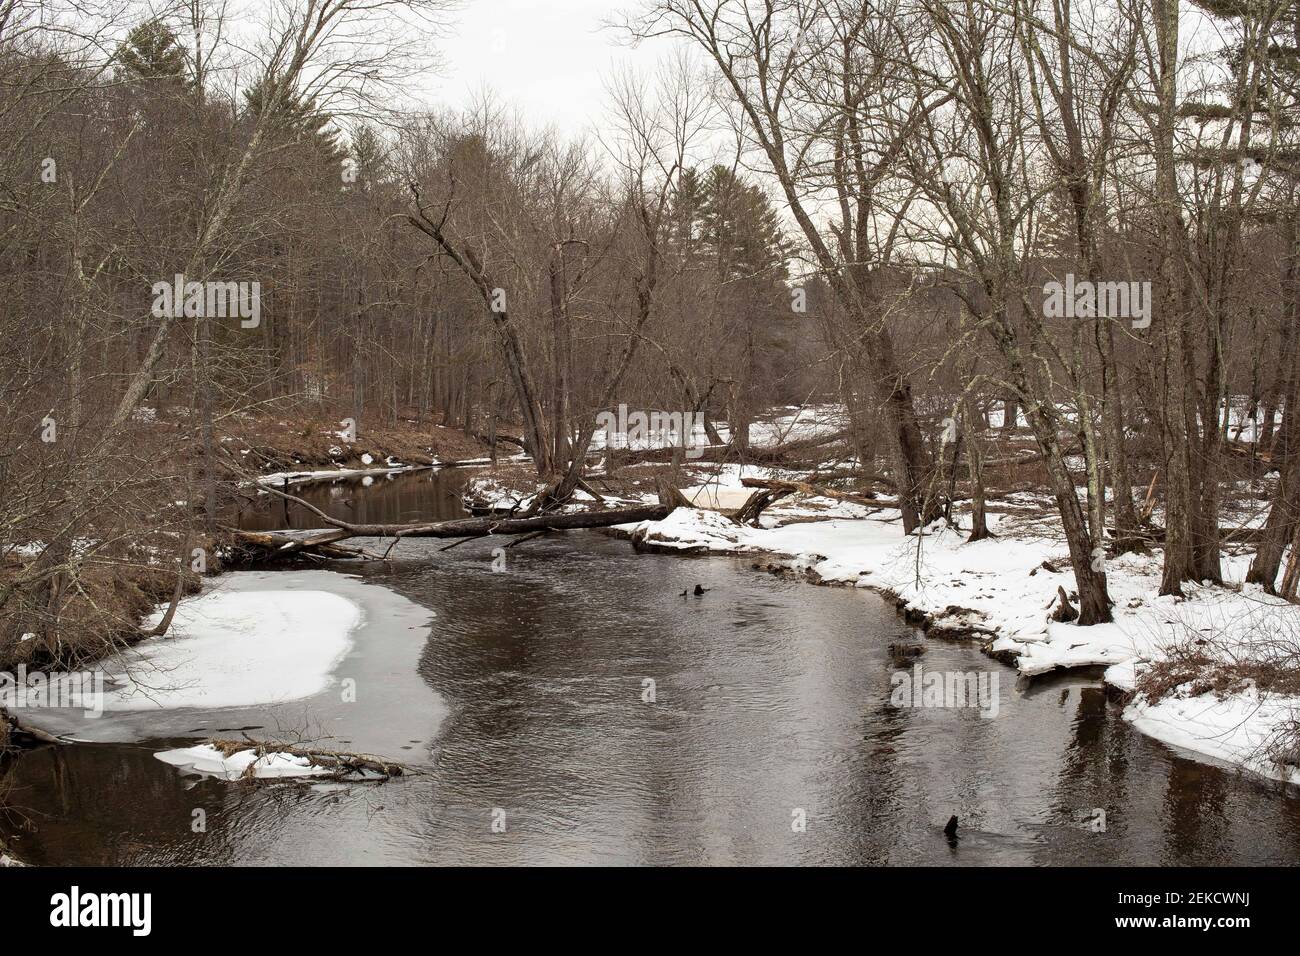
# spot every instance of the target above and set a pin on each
(740, 227)
(151, 53)
(721, 219)
(299, 118)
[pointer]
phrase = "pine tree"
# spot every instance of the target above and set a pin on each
(299, 118)
(720, 219)
(152, 54)
(740, 227)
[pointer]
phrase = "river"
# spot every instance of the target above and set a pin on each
(767, 736)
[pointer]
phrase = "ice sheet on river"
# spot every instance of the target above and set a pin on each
(238, 648)
(293, 656)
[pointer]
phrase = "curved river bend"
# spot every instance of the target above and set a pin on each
(771, 708)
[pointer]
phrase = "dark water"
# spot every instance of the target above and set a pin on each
(391, 498)
(771, 701)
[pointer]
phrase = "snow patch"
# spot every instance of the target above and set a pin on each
(1231, 729)
(235, 649)
(208, 760)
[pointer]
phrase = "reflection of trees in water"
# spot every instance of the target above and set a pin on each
(1162, 808)
(1094, 770)
(110, 804)
(882, 796)
(397, 497)
(1195, 804)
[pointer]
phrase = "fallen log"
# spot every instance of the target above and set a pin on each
(471, 527)
(853, 474)
(501, 437)
(670, 494)
(276, 544)
(341, 765)
(16, 735)
(754, 506)
(1065, 611)
(807, 488)
(1155, 534)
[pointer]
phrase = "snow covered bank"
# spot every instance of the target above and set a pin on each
(1002, 590)
(1236, 729)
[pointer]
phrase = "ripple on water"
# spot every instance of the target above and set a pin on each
(543, 671)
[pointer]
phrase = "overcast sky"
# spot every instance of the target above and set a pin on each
(550, 58)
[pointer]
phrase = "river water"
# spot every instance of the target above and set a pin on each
(767, 736)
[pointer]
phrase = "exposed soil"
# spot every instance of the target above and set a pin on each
(265, 445)
(104, 611)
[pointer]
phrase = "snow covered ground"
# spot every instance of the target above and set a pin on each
(1003, 589)
(792, 423)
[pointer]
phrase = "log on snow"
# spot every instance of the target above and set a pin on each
(806, 488)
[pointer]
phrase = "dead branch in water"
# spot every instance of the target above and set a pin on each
(277, 544)
(341, 764)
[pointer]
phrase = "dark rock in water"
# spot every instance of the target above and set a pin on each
(950, 830)
(904, 652)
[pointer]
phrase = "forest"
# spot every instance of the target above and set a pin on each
(956, 262)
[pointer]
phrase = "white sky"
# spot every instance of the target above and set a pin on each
(548, 58)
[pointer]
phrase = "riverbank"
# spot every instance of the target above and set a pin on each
(1205, 673)
(266, 445)
(102, 614)
(104, 577)
(768, 695)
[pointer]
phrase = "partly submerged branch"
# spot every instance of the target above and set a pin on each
(326, 543)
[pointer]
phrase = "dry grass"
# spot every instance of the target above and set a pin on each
(278, 443)
(103, 612)
(1259, 648)
(1283, 745)
(1201, 673)
(1260, 655)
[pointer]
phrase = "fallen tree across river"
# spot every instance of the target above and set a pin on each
(327, 543)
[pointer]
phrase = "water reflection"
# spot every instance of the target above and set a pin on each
(386, 498)
(771, 697)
